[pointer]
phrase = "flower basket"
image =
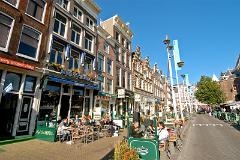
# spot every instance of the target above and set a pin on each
(56, 67)
(91, 75)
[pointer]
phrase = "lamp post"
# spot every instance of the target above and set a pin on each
(169, 48)
(180, 64)
(186, 96)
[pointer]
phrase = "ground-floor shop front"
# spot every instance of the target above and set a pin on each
(104, 104)
(63, 98)
(19, 96)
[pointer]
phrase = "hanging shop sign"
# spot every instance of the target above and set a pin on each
(137, 98)
(16, 63)
(121, 93)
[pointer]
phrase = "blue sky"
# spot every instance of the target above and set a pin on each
(208, 31)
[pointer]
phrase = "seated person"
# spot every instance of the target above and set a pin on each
(162, 132)
(63, 129)
(136, 132)
(76, 119)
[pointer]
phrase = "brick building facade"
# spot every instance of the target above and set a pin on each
(24, 30)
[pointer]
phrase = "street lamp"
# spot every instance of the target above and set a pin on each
(186, 98)
(178, 64)
(169, 48)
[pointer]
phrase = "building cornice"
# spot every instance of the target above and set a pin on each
(122, 27)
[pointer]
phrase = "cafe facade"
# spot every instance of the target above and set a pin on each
(69, 84)
(22, 45)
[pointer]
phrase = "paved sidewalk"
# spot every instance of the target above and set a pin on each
(42, 150)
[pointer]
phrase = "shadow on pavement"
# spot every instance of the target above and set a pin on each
(236, 126)
(109, 156)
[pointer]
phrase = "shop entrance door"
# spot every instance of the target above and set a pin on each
(24, 115)
(7, 113)
(64, 106)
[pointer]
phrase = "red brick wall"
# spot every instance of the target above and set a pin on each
(20, 19)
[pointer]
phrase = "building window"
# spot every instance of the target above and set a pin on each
(101, 81)
(109, 86)
(30, 83)
(88, 42)
(117, 36)
(13, 80)
(76, 32)
(29, 42)
(128, 45)
(123, 40)
(127, 60)
(87, 64)
(106, 48)
(123, 79)
(74, 59)
(123, 58)
(100, 62)
(60, 24)
(117, 53)
(109, 66)
(6, 25)
(129, 80)
(90, 23)
(77, 13)
(12, 2)
(36, 8)
(118, 77)
(63, 3)
(56, 55)
(137, 82)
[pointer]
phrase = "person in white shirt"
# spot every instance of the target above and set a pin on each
(162, 132)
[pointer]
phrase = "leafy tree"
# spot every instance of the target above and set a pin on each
(209, 92)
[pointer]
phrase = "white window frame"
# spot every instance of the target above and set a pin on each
(88, 42)
(81, 20)
(39, 43)
(103, 63)
(65, 33)
(80, 38)
(107, 47)
(61, 5)
(43, 14)
(10, 33)
(17, 4)
(88, 25)
(56, 55)
(111, 66)
(110, 89)
(73, 65)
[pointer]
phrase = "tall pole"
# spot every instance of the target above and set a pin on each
(184, 96)
(189, 101)
(171, 78)
(179, 95)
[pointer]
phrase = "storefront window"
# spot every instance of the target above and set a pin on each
(12, 82)
(49, 101)
(30, 83)
(87, 92)
(66, 89)
(87, 105)
(77, 100)
(78, 91)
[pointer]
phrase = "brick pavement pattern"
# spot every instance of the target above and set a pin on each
(211, 142)
(42, 150)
